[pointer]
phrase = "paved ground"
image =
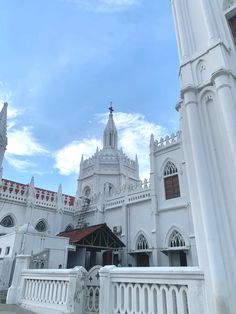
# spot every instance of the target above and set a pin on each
(12, 309)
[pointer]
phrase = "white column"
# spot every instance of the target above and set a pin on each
(227, 106)
(206, 224)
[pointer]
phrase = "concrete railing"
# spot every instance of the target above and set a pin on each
(152, 290)
(53, 291)
(48, 291)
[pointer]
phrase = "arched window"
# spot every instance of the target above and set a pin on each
(176, 239)
(87, 191)
(41, 226)
(142, 243)
(69, 228)
(7, 222)
(171, 181)
(108, 188)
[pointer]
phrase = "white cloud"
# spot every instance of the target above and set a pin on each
(21, 165)
(106, 5)
(21, 142)
(68, 158)
(134, 135)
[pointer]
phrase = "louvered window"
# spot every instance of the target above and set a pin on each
(171, 181)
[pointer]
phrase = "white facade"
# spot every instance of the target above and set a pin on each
(192, 172)
(110, 191)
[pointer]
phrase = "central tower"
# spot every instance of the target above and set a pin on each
(109, 168)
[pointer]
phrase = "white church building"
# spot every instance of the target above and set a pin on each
(180, 223)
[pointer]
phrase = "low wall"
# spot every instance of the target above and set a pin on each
(152, 290)
(53, 291)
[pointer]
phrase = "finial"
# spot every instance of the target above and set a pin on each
(111, 108)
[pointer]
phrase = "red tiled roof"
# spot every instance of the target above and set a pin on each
(79, 234)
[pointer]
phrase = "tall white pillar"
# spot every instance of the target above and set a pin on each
(204, 216)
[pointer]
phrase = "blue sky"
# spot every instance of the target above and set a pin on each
(63, 61)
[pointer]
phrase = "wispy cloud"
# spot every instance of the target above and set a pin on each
(22, 142)
(19, 164)
(68, 158)
(106, 5)
(134, 136)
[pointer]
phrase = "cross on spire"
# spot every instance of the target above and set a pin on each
(111, 108)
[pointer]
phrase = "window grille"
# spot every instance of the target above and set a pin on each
(142, 243)
(170, 169)
(176, 239)
(69, 228)
(7, 222)
(41, 226)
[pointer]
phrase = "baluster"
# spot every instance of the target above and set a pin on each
(169, 300)
(161, 297)
(182, 303)
(50, 292)
(54, 291)
(26, 288)
(63, 292)
(118, 298)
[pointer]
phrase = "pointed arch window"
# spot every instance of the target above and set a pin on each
(171, 181)
(176, 239)
(142, 243)
(69, 228)
(41, 226)
(7, 222)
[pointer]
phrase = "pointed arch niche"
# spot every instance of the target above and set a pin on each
(171, 180)
(176, 248)
(142, 250)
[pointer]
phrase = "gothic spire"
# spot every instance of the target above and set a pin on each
(110, 133)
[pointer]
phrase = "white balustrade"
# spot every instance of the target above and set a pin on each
(152, 290)
(53, 290)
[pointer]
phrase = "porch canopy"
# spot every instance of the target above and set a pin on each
(99, 237)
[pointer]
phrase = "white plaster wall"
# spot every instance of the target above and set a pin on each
(7, 241)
